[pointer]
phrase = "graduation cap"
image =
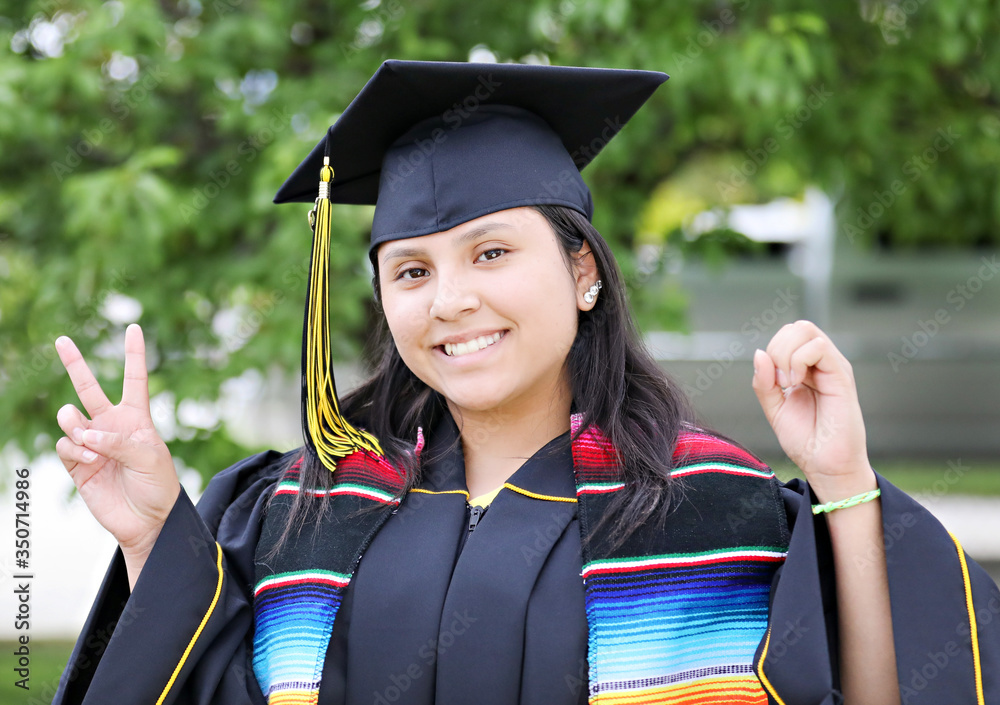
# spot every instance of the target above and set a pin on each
(431, 145)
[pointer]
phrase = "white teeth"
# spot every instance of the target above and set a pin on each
(471, 346)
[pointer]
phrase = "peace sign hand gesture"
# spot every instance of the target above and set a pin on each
(120, 465)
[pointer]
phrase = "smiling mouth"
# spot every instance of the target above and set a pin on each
(471, 346)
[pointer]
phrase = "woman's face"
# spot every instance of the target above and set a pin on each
(485, 313)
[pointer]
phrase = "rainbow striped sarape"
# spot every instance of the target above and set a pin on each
(298, 592)
(674, 615)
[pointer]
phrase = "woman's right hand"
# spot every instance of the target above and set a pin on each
(120, 465)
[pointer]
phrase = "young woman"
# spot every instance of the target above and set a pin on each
(518, 506)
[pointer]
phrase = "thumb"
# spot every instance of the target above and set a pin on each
(120, 448)
(765, 384)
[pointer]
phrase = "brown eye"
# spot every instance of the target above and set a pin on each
(404, 274)
(495, 252)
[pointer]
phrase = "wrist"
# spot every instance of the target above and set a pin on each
(137, 552)
(134, 564)
(852, 501)
(142, 541)
(835, 489)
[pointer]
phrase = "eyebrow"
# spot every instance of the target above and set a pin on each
(399, 252)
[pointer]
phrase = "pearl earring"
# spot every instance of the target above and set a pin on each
(592, 292)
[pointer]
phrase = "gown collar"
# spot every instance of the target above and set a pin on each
(548, 476)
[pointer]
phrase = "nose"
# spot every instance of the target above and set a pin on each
(453, 298)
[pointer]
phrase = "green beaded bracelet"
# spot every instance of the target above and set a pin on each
(849, 502)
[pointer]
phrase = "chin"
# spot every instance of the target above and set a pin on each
(478, 401)
(475, 404)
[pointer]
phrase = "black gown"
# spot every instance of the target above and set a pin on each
(436, 614)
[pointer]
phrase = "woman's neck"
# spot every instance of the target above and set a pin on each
(496, 443)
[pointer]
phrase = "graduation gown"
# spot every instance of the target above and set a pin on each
(436, 614)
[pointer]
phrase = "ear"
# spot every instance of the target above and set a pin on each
(586, 274)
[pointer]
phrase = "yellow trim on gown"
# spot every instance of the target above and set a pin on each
(483, 500)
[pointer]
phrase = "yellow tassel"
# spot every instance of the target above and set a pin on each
(329, 433)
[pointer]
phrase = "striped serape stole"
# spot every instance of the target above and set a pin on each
(296, 601)
(675, 616)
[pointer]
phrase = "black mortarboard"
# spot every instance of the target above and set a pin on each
(434, 144)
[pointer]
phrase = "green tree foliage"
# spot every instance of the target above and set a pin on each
(141, 144)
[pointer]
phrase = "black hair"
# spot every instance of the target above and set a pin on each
(616, 384)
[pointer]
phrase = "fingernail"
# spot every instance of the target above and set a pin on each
(89, 456)
(783, 378)
(91, 436)
(78, 436)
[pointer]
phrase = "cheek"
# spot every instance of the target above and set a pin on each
(405, 325)
(545, 301)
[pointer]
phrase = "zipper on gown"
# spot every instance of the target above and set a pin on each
(475, 515)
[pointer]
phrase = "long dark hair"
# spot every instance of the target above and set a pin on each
(615, 383)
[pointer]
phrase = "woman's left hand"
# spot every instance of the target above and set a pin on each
(806, 388)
